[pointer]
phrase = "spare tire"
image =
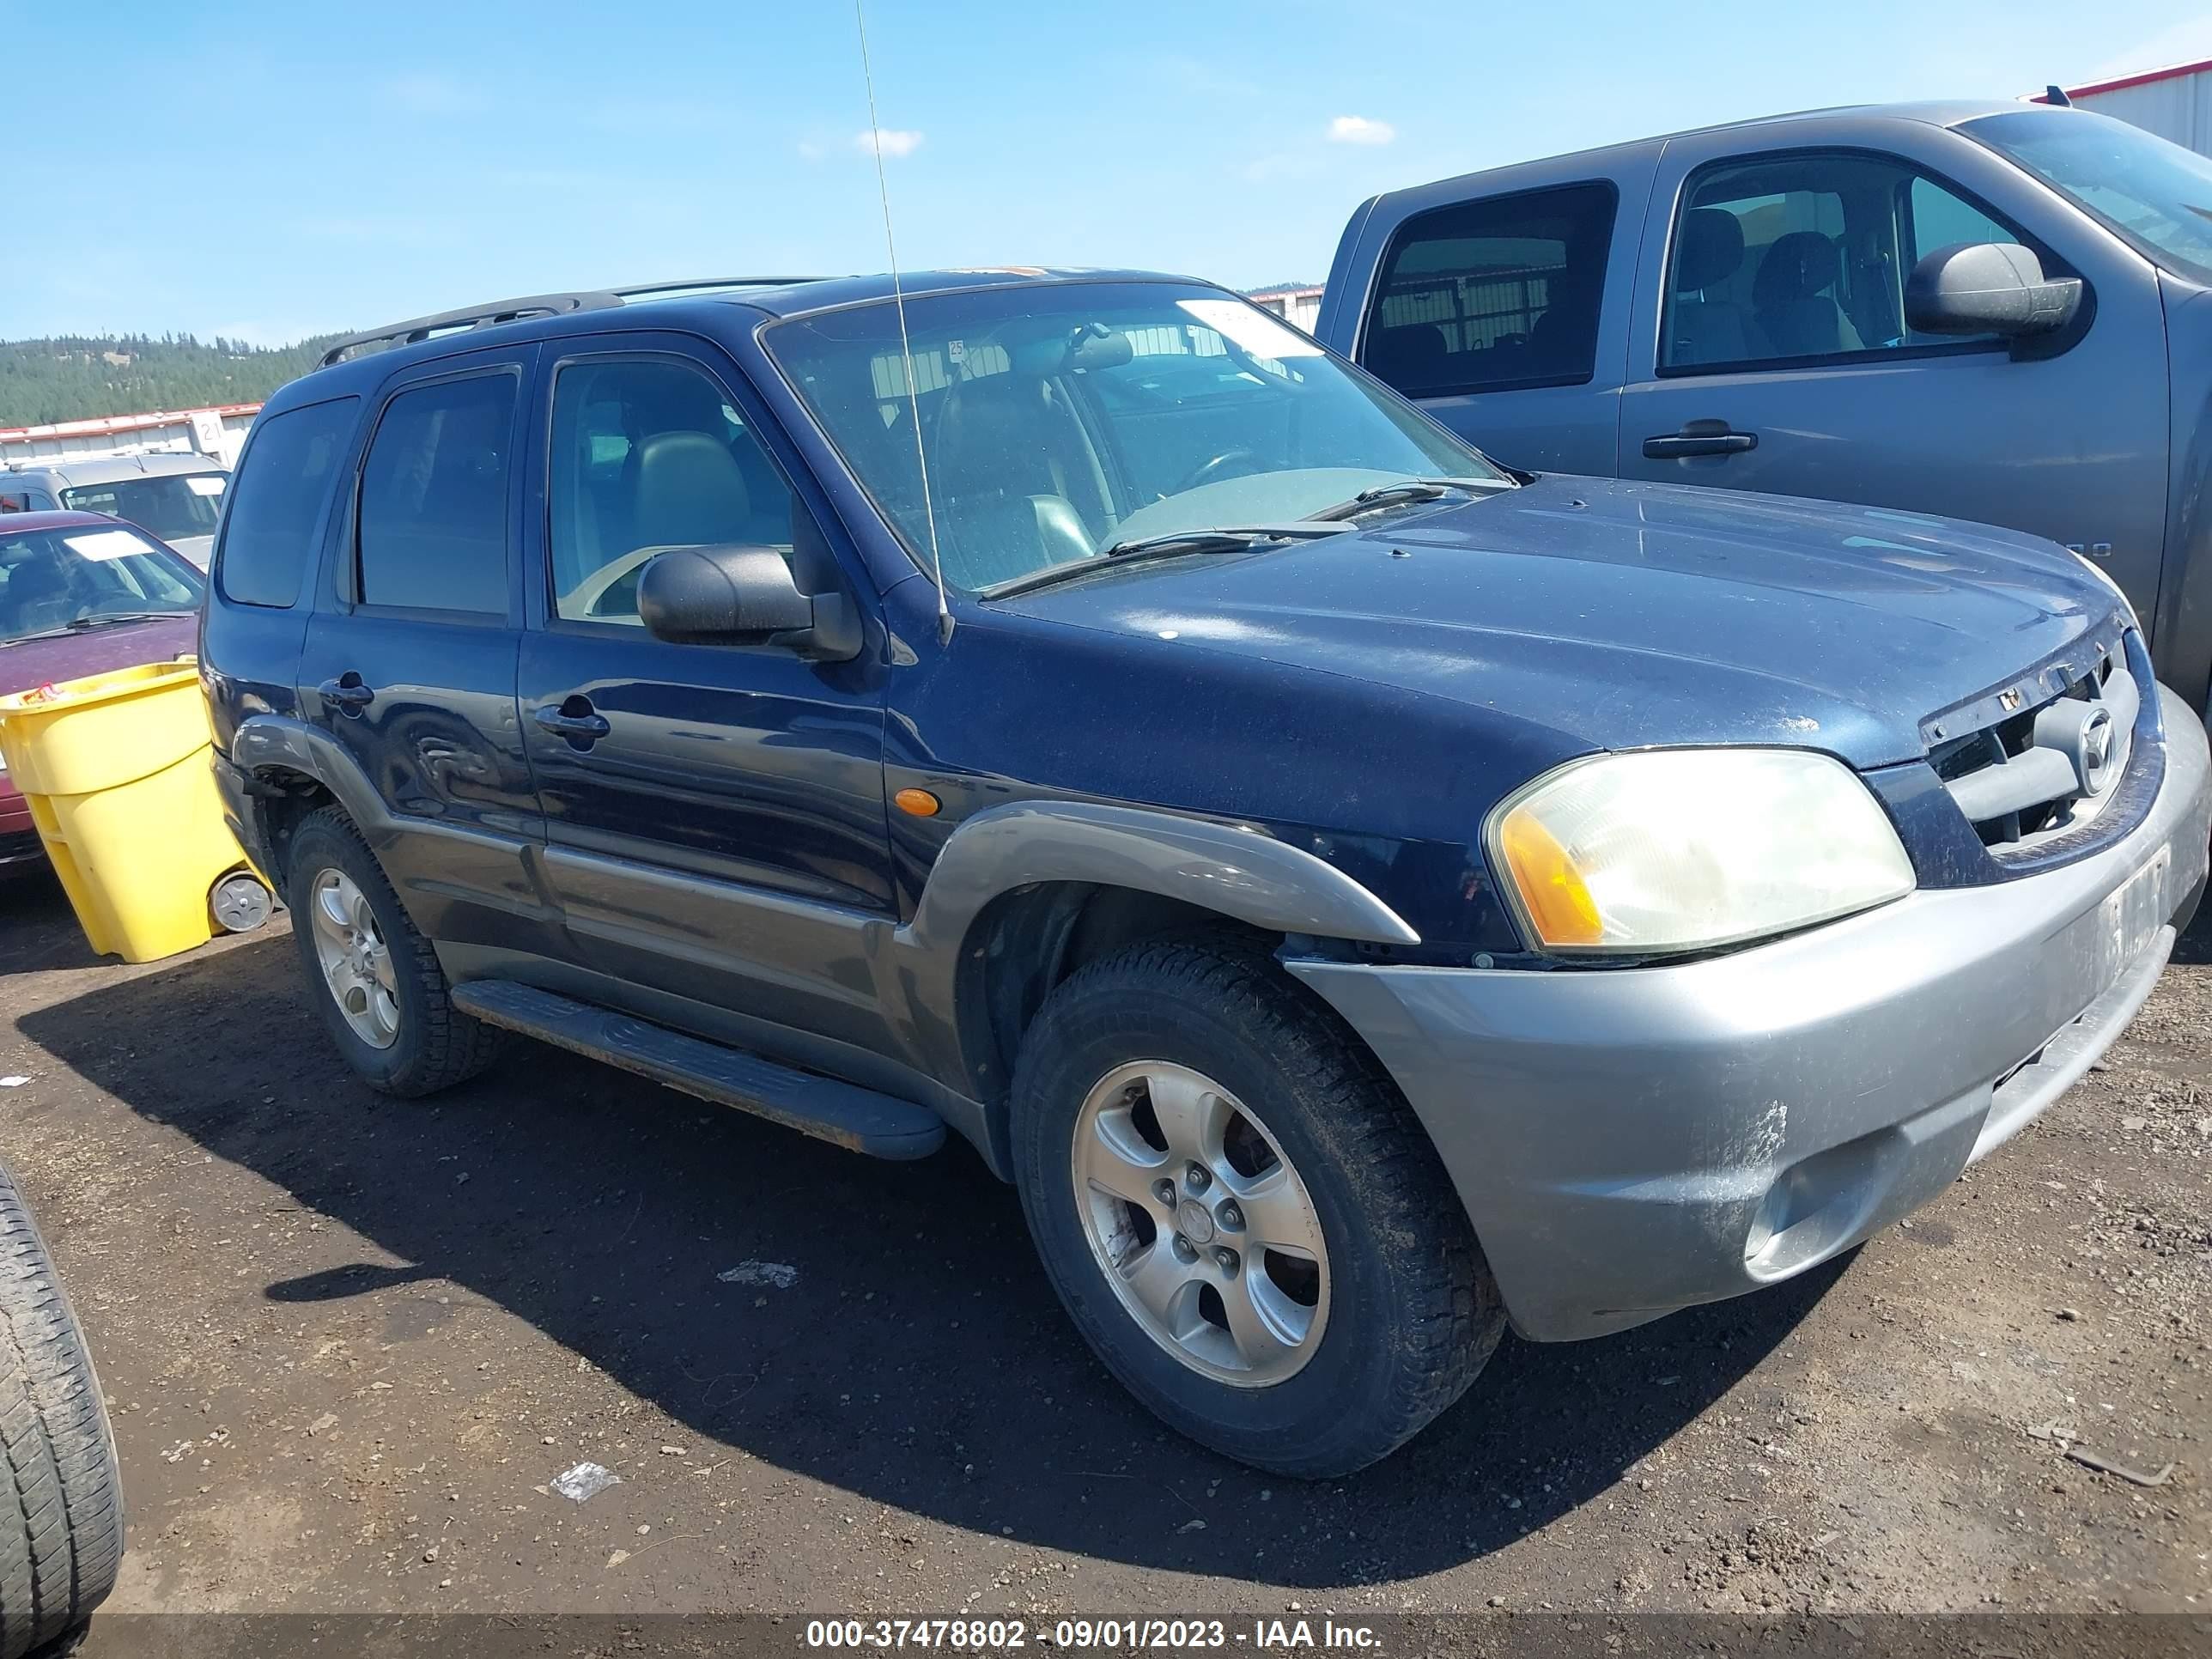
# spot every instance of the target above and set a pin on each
(61, 1495)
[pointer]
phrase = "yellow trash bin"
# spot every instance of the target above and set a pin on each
(116, 769)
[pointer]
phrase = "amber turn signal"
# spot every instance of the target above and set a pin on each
(1559, 904)
(919, 802)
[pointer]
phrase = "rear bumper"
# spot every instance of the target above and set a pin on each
(1633, 1141)
(241, 812)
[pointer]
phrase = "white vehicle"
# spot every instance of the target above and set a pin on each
(174, 497)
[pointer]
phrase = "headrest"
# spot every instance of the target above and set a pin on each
(1711, 249)
(1411, 351)
(1799, 264)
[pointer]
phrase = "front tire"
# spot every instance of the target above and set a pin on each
(375, 981)
(1241, 1213)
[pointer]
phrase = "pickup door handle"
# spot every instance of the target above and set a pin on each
(347, 693)
(573, 718)
(1699, 438)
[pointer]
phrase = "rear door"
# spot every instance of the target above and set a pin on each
(1771, 352)
(409, 661)
(1504, 315)
(715, 812)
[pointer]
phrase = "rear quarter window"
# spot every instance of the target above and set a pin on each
(1492, 294)
(276, 503)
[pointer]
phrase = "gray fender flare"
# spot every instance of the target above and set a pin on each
(276, 742)
(1233, 870)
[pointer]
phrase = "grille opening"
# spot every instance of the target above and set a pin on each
(2020, 779)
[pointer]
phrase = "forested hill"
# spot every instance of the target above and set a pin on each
(74, 378)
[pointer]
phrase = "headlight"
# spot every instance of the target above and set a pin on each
(1682, 849)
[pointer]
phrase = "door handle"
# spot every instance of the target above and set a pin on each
(574, 718)
(347, 693)
(1699, 438)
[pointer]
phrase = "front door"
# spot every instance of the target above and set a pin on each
(1772, 351)
(715, 813)
(410, 660)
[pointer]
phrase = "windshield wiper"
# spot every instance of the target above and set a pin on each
(1405, 492)
(81, 625)
(109, 618)
(1174, 544)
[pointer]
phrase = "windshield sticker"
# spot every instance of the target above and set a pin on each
(104, 545)
(205, 483)
(1251, 328)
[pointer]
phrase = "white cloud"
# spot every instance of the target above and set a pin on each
(888, 141)
(1359, 130)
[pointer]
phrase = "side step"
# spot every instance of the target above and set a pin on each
(859, 1119)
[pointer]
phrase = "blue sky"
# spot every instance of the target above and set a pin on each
(267, 171)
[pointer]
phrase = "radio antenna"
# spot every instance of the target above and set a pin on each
(906, 346)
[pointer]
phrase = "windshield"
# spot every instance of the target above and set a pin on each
(2156, 194)
(50, 579)
(171, 504)
(1062, 420)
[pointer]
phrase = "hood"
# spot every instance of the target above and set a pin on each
(28, 664)
(1621, 615)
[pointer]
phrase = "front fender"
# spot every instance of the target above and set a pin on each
(1232, 870)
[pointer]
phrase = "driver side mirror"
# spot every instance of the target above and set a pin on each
(728, 593)
(1988, 287)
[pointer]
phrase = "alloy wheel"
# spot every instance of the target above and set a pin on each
(356, 961)
(1200, 1224)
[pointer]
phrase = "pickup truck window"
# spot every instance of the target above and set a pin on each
(1485, 295)
(1063, 419)
(649, 453)
(1801, 258)
(2156, 194)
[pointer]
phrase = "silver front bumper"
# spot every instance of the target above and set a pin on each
(1632, 1141)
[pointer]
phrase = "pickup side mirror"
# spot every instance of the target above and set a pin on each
(728, 593)
(1988, 287)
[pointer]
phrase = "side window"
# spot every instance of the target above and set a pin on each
(15, 501)
(433, 520)
(277, 501)
(1487, 296)
(649, 453)
(1796, 259)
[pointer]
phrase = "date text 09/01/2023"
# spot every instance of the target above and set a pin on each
(1003, 1635)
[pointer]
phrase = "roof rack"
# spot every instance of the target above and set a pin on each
(418, 329)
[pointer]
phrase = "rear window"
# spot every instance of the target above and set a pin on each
(174, 506)
(284, 478)
(433, 498)
(1487, 296)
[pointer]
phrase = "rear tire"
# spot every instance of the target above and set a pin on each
(61, 1508)
(1381, 1312)
(401, 997)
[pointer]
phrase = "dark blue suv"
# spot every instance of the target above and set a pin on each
(1359, 895)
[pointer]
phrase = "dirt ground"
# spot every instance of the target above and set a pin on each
(348, 1343)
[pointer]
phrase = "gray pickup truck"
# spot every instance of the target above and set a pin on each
(1994, 311)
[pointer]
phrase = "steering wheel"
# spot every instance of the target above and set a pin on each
(1243, 461)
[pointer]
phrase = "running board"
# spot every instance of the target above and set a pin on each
(857, 1119)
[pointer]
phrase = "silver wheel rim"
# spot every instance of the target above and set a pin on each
(356, 961)
(1200, 1224)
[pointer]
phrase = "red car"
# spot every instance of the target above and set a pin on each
(81, 594)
